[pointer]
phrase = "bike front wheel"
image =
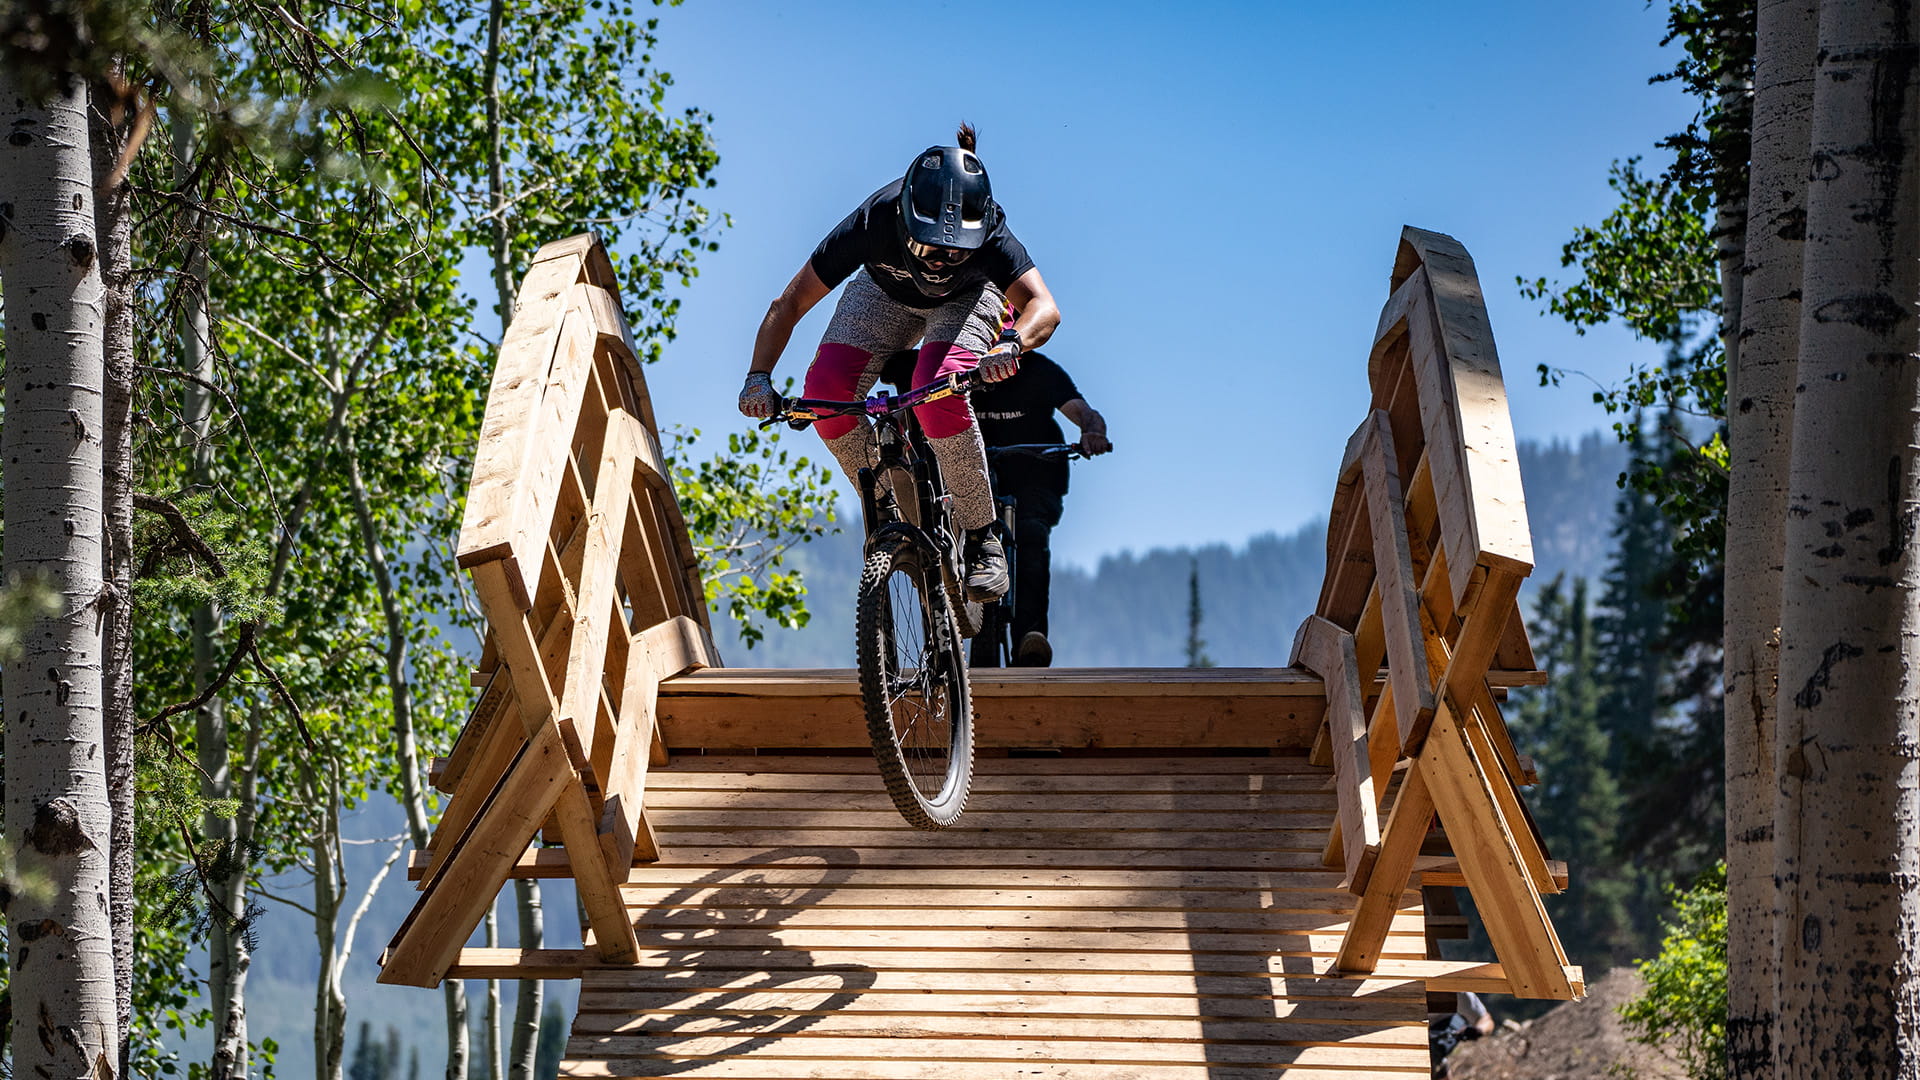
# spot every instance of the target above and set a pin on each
(913, 681)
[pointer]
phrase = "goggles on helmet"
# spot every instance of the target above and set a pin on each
(931, 253)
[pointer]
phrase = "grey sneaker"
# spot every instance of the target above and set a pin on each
(1033, 651)
(986, 565)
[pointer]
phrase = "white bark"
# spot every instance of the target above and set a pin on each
(406, 742)
(526, 1004)
(1759, 433)
(1847, 825)
(226, 947)
(58, 820)
(113, 214)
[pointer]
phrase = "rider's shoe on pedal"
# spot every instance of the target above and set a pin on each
(986, 561)
(1033, 651)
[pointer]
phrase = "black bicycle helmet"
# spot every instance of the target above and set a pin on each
(947, 200)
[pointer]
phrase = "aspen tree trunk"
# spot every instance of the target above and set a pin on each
(56, 895)
(1847, 828)
(227, 961)
(1759, 437)
(329, 885)
(406, 742)
(526, 1004)
(113, 217)
(525, 1044)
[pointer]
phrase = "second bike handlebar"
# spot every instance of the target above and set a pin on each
(800, 413)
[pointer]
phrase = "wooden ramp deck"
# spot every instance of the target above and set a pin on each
(1163, 873)
(1144, 917)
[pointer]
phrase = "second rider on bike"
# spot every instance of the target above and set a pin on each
(932, 263)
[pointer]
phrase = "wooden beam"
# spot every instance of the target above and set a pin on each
(1400, 841)
(1445, 870)
(1097, 708)
(465, 884)
(1399, 599)
(1509, 905)
(519, 378)
(1327, 650)
(1450, 976)
(485, 963)
(598, 884)
(1479, 399)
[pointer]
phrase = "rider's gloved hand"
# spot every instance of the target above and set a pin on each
(758, 398)
(1003, 359)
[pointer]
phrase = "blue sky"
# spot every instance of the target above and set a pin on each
(1213, 192)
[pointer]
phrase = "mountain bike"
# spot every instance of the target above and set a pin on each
(912, 611)
(993, 646)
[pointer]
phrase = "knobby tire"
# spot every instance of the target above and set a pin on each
(920, 718)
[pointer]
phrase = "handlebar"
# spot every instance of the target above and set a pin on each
(799, 413)
(1043, 451)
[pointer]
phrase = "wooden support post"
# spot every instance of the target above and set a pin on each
(1501, 884)
(598, 884)
(1407, 827)
(1399, 600)
(1327, 651)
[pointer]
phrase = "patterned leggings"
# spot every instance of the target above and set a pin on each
(867, 326)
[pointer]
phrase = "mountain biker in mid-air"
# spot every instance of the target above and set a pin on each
(931, 262)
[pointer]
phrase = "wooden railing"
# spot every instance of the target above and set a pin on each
(1427, 545)
(588, 582)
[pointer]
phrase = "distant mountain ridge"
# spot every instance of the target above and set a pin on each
(1130, 610)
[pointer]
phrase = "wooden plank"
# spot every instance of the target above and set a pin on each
(1457, 976)
(477, 863)
(475, 733)
(1365, 939)
(761, 1067)
(1439, 420)
(1509, 905)
(1005, 1052)
(579, 825)
(786, 921)
(750, 952)
(1399, 602)
(1284, 682)
(717, 861)
(680, 647)
(625, 833)
(490, 762)
(1045, 946)
(1116, 768)
(1389, 331)
(1029, 799)
(1349, 549)
(606, 1012)
(1445, 870)
(510, 424)
(595, 606)
(829, 817)
(1327, 650)
(824, 1021)
(1513, 813)
(602, 988)
(550, 455)
(1480, 400)
(1302, 840)
(617, 340)
(497, 963)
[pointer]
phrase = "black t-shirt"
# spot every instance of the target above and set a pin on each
(1021, 410)
(874, 236)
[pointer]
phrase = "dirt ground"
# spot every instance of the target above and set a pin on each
(1581, 1040)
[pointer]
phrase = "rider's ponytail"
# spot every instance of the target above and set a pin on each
(968, 137)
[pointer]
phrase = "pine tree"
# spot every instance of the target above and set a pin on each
(1579, 804)
(1196, 647)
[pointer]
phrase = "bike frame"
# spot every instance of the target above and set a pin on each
(899, 453)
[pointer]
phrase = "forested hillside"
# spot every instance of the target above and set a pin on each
(1130, 609)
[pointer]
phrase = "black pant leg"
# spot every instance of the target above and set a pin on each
(1036, 513)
